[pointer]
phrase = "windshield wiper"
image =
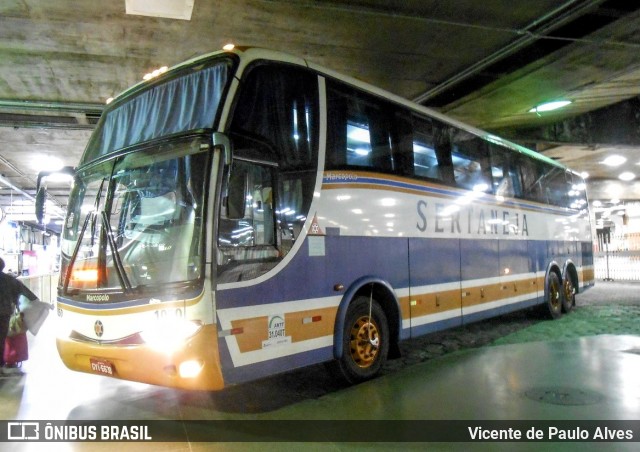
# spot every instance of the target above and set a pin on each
(117, 262)
(74, 256)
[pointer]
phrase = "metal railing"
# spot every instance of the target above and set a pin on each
(618, 260)
(44, 286)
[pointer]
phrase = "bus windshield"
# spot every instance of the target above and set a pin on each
(135, 222)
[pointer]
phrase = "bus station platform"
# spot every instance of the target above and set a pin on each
(581, 372)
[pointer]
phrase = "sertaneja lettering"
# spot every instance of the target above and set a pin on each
(470, 220)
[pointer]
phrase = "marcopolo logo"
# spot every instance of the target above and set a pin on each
(98, 328)
(98, 297)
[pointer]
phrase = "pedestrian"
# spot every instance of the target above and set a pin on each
(10, 290)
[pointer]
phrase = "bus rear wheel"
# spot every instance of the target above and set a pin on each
(365, 341)
(569, 294)
(554, 301)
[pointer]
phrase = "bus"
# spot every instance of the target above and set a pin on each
(249, 212)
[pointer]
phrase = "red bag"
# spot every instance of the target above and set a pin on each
(16, 349)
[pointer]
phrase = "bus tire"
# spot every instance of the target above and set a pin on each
(365, 344)
(568, 293)
(554, 296)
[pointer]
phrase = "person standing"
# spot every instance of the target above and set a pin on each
(10, 291)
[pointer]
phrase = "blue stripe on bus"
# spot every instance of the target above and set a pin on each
(306, 277)
(402, 185)
(401, 262)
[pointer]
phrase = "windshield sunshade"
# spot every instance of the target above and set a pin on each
(188, 102)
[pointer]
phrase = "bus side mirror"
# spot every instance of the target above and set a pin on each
(41, 188)
(41, 196)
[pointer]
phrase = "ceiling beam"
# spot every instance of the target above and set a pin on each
(615, 125)
(536, 30)
(51, 106)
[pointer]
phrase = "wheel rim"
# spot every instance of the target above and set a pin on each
(365, 342)
(554, 295)
(569, 291)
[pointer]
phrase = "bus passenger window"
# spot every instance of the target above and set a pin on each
(360, 131)
(247, 240)
(425, 162)
(470, 162)
(275, 121)
(504, 172)
(532, 173)
(557, 186)
(358, 144)
(431, 150)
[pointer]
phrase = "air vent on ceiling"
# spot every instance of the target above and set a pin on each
(172, 9)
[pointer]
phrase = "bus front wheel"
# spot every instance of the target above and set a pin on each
(365, 341)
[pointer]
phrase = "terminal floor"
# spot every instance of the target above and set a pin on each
(580, 378)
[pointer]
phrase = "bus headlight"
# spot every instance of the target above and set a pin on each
(190, 369)
(169, 335)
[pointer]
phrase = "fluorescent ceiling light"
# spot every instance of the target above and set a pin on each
(171, 9)
(42, 162)
(627, 176)
(614, 160)
(549, 106)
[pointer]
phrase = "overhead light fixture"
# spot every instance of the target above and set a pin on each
(46, 163)
(171, 9)
(229, 46)
(584, 175)
(614, 160)
(155, 73)
(627, 176)
(550, 106)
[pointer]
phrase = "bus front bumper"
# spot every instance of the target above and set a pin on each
(194, 365)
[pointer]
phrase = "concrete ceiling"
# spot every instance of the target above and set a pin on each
(486, 63)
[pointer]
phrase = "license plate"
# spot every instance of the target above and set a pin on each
(101, 366)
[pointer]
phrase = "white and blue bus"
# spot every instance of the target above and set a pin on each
(248, 212)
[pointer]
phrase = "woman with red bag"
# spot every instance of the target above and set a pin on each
(10, 291)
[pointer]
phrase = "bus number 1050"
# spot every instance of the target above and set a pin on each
(168, 313)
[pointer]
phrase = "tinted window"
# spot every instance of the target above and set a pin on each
(269, 187)
(532, 172)
(557, 187)
(505, 172)
(431, 149)
(470, 159)
(360, 130)
(276, 116)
